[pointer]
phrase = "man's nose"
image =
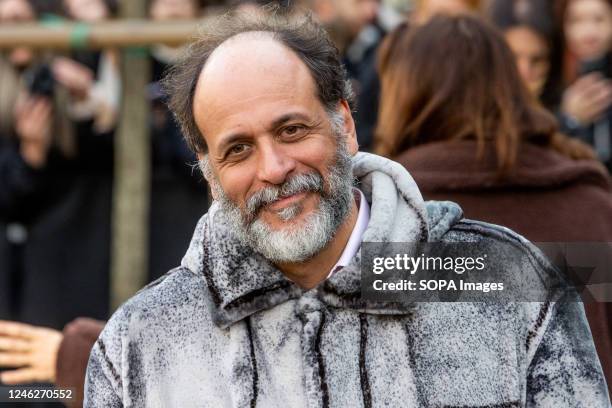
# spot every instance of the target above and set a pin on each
(274, 164)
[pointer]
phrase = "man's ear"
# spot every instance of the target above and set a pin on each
(350, 133)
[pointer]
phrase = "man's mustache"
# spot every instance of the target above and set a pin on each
(300, 183)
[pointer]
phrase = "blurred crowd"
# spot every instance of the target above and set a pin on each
(522, 87)
(59, 115)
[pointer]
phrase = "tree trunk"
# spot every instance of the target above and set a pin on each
(132, 172)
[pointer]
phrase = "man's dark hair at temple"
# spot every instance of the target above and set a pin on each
(266, 307)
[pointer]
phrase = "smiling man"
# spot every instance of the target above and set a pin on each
(265, 309)
(272, 145)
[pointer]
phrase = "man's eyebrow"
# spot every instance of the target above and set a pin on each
(236, 137)
(288, 117)
(231, 139)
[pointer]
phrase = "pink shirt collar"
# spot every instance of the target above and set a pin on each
(354, 242)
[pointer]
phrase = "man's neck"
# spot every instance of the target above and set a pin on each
(310, 273)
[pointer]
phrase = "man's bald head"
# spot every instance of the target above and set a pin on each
(250, 57)
(301, 36)
(246, 70)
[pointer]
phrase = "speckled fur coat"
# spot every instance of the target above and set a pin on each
(226, 329)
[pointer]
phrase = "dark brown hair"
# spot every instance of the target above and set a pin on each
(301, 34)
(455, 78)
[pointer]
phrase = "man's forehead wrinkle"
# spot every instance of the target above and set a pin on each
(225, 108)
(249, 100)
(252, 53)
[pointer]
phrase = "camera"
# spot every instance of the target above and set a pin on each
(40, 81)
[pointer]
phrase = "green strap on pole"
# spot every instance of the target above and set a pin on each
(137, 52)
(79, 36)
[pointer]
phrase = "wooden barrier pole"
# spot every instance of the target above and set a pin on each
(127, 32)
(131, 193)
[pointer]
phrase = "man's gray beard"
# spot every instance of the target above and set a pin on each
(294, 243)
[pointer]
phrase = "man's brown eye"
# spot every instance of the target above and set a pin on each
(238, 149)
(293, 130)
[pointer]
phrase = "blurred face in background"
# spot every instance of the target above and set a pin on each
(425, 9)
(17, 11)
(346, 18)
(532, 53)
(87, 10)
(588, 28)
(173, 9)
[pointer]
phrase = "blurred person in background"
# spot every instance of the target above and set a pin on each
(424, 10)
(357, 27)
(586, 109)
(54, 193)
(44, 7)
(178, 196)
(160, 10)
(90, 11)
(402, 7)
(344, 19)
(25, 138)
(456, 114)
(163, 56)
(529, 29)
(260, 7)
(178, 199)
(55, 189)
(178, 193)
(93, 73)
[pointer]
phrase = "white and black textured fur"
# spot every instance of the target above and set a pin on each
(227, 329)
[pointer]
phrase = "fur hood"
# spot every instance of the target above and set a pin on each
(241, 282)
